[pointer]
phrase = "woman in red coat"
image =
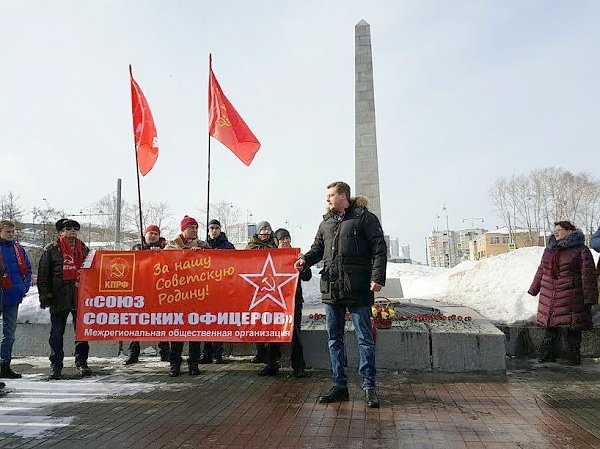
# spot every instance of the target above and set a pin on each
(567, 283)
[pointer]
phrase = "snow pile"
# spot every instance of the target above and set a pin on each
(495, 287)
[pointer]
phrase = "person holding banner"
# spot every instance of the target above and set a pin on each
(58, 275)
(284, 240)
(16, 280)
(152, 241)
(216, 240)
(351, 244)
(186, 239)
(268, 353)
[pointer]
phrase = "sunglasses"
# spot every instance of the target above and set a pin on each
(71, 228)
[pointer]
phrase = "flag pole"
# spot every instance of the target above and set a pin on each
(208, 189)
(208, 177)
(137, 172)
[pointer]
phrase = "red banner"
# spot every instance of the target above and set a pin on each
(226, 125)
(144, 131)
(188, 295)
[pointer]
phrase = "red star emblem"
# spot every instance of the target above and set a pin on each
(267, 284)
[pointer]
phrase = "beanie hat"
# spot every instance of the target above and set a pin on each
(214, 223)
(262, 224)
(152, 228)
(281, 233)
(187, 222)
(60, 224)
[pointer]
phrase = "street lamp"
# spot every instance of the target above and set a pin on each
(248, 217)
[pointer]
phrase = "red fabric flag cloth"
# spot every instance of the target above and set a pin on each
(226, 125)
(144, 131)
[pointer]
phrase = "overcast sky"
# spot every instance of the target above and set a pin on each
(464, 92)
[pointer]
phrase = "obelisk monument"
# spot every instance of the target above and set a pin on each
(366, 167)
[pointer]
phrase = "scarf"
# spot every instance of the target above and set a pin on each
(72, 258)
(20, 255)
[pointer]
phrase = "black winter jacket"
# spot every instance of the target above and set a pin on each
(221, 242)
(53, 290)
(354, 253)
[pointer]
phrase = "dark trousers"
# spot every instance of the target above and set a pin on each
(551, 340)
(177, 348)
(163, 348)
(212, 349)
(58, 322)
(270, 353)
(297, 354)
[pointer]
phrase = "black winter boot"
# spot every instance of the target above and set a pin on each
(175, 371)
(194, 370)
(7, 373)
(573, 347)
(56, 373)
(83, 369)
(334, 395)
(547, 347)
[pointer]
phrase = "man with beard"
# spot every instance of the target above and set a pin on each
(186, 239)
(58, 277)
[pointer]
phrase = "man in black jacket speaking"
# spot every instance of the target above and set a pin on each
(351, 244)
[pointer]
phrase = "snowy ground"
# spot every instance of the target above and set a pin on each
(25, 404)
(495, 287)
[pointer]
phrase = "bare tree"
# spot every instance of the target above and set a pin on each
(10, 208)
(536, 200)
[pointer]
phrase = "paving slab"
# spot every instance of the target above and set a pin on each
(230, 406)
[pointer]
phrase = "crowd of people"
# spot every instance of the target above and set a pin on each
(349, 241)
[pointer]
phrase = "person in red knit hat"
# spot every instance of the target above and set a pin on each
(186, 239)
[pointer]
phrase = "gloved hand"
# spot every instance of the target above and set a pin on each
(46, 301)
(588, 308)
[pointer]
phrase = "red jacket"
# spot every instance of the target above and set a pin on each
(567, 283)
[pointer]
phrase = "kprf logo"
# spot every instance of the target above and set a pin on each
(117, 272)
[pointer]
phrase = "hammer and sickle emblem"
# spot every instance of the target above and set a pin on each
(270, 285)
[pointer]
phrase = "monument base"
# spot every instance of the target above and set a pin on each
(448, 346)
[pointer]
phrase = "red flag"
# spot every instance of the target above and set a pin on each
(226, 125)
(144, 131)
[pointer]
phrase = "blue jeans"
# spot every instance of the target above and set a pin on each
(9, 326)
(336, 321)
(58, 322)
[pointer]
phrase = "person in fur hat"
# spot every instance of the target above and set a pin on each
(351, 244)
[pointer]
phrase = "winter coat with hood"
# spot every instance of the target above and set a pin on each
(20, 283)
(354, 252)
(221, 242)
(59, 294)
(567, 283)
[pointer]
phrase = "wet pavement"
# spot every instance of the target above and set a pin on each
(230, 406)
